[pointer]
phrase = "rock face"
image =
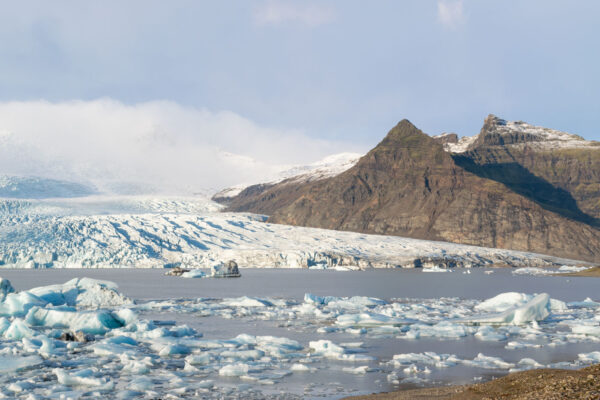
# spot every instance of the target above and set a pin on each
(483, 194)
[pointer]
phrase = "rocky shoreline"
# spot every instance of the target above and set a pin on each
(542, 384)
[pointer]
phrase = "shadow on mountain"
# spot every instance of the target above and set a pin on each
(521, 181)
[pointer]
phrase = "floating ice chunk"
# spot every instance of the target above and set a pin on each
(83, 292)
(222, 270)
(243, 355)
(5, 288)
(199, 359)
(17, 363)
(121, 340)
(591, 358)
(536, 309)
(21, 386)
(536, 271)
(514, 345)
(125, 316)
(369, 320)
(110, 349)
(591, 330)
(435, 268)
(4, 324)
(488, 362)
(503, 302)
(82, 378)
(142, 384)
(488, 333)
(18, 330)
(18, 304)
(413, 369)
(442, 329)
(428, 358)
(587, 303)
(363, 369)
(526, 364)
(572, 268)
(314, 299)
(239, 369)
(174, 349)
(92, 322)
(297, 367)
(246, 301)
(326, 348)
(194, 273)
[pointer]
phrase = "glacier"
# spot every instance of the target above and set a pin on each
(157, 232)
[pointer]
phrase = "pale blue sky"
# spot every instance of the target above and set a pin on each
(344, 71)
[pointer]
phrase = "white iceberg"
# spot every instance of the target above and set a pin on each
(536, 309)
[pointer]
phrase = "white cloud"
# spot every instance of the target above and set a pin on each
(276, 12)
(159, 144)
(451, 13)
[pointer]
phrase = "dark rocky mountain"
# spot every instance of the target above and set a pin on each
(512, 186)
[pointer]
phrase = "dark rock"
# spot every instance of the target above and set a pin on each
(77, 336)
(177, 271)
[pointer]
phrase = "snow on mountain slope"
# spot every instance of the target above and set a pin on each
(497, 131)
(327, 167)
(40, 188)
(150, 233)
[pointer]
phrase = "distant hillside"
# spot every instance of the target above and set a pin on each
(512, 186)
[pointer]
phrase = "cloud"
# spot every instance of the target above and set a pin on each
(276, 12)
(451, 13)
(159, 145)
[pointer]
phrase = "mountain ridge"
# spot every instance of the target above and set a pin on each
(409, 185)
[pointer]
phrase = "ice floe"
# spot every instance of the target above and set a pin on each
(127, 351)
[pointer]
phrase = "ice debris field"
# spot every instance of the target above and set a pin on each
(84, 339)
(154, 232)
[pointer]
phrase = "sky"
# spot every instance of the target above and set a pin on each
(278, 81)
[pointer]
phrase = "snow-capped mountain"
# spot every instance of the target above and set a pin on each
(517, 134)
(327, 167)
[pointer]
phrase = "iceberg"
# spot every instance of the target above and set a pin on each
(91, 322)
(5, 288)
(536, 309)
(84, 292)
(225, 270)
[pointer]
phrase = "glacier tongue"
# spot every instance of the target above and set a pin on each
(156, 232)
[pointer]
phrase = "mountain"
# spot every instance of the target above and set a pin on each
(488, 190)
(325, 168)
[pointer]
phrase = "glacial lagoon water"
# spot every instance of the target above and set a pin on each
(427, 298)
